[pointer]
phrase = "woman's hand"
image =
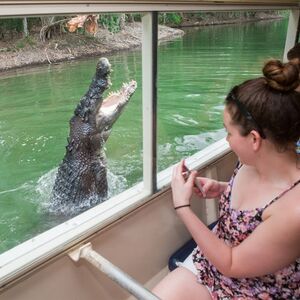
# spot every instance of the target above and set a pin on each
(211, 188)
(182, 189)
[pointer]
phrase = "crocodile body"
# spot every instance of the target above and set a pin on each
(82, 174)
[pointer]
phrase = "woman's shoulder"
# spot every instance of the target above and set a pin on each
(288, 221)
(291, 207)
(287, 208)
(283, 217)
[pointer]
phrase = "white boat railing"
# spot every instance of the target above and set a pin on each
(87, 253)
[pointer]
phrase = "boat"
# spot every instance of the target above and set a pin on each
(120, 249)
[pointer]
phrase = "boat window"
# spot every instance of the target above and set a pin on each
(195, 71)
(39, 103)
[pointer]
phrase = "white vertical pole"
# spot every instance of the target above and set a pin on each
(149, 71)
(291, 35)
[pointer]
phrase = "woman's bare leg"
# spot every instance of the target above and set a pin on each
(181, 284)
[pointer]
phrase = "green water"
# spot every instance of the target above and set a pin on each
(195, 73)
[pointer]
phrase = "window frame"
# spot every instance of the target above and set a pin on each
(61, 238)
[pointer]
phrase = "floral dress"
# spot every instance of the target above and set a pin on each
(233, 227)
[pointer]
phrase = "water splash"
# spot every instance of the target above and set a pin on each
(116, 184)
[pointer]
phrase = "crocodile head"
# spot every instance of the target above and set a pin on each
(112, 107)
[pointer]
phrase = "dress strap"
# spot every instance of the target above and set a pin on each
(282, 193)
(238, 165)
(235, 171)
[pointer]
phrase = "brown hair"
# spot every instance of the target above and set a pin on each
(269, 104)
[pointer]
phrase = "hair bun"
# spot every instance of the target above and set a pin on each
(281, 76)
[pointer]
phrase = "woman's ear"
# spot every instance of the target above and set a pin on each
(256, 140)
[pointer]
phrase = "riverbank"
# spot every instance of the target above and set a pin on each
(20, 52)
(69, 46)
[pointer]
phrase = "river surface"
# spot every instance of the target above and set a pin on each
(195, 73)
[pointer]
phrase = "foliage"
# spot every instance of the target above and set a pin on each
(170, 18)
(283, 13)
(11, 25)
(32, 22)
(110, 22)
(135, 17)
(17, 24)
(231, 15)
(24, 42)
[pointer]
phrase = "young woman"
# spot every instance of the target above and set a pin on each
(254, 250)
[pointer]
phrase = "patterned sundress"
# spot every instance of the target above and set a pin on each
(233, 227)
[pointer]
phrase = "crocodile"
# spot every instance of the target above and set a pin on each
(81, 178)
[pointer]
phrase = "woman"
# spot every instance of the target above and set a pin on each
(254, 250)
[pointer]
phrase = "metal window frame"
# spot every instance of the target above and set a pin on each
(15, 8)
(292, 32)
(149, 71)
(30, 254)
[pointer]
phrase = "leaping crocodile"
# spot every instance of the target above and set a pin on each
(82, 175)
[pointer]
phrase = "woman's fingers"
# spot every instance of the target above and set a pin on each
(191, 178)
(200, 186)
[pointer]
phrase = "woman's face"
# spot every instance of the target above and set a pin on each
(238, 143)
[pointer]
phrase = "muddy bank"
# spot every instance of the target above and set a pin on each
(70, 46)
(19, 52)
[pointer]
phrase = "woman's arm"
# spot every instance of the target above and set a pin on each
(273, 245)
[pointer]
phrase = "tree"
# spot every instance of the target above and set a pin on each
(25, 27)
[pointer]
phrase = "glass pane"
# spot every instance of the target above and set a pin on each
(195, 74)
(37, 104)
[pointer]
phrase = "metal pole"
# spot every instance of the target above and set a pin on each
(149, 68)
(291, 32)
(124, 280)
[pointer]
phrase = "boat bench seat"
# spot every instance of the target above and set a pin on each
(183, 256)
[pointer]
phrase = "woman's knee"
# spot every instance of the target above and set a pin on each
(181, 284)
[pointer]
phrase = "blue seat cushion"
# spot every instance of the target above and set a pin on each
(184, 251)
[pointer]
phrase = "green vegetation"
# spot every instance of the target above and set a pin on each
(112, 22)
(116, 22)
(11, 25)
(170, 19)
(16, 25)
(24, 42)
